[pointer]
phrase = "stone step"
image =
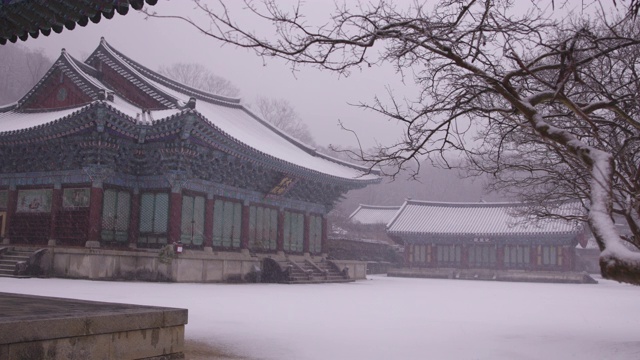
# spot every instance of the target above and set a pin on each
(15, 257)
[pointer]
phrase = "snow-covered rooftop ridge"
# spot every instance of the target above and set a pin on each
(373, 214)
(166, 81)
(501, 218)
(8, 107)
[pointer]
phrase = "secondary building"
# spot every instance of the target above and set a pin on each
(494, 241)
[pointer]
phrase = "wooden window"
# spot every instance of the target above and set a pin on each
(420, 253)
(116, 210)
(482, 256)
(227, 224)
(192, 224)
(448, 255)
(549, 256)
(154, 218)
(263, 228)
(315, 234)
(517, 256)
(293, 231)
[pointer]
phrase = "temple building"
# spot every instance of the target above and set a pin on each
(488, 241)
(109, 155)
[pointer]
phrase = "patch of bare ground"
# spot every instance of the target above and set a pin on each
(200, 350)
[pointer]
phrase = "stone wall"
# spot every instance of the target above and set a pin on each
(34, 327)
(149, 265)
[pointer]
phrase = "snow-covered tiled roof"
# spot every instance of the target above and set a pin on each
(373, 214)
(226, 115)
(243, 126)
(425, 217)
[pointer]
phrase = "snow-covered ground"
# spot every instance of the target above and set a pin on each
(388, 318)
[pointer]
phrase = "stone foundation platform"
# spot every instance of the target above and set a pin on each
(495, 275)
(35, 327)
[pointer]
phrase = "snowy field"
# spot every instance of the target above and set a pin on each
(388, 318)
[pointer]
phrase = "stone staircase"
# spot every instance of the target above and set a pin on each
(303, 271)
(16, 262)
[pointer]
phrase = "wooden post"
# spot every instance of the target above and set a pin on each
(12, 204)
(306, 234)
(464, 264)
(208, 223)
(280, 241)
(134, 219)
(97, 174)
(244, 227)
(56, 208)
(324, 243)
(175, 215)
(499, 257)
(95, 214)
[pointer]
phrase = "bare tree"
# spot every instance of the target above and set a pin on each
(20, 70)
(283, 115)
(477, 64)
(198, 76)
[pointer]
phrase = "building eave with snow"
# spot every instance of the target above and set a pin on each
(108, 153)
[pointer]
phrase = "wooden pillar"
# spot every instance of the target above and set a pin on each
(56, 208)
(534, 257)
(134, 219)
(175, 215)
(97, 174)
(244, 227)
(95, 214)
(306, 234)
(324, 243)
(280, 241)
(408, 254)
(567, 257)
(12, 205)
(208, 223)
(464, 264)
(499, 256)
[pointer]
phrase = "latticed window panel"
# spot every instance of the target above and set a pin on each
(448, 255)
(315, 234)
(116, 211)
(263, 228)
(420, 253)
(549, 255)
(227, 223)
(517, 256)
(482, 256)
(293, 231)
(154, 218)
(192, 226)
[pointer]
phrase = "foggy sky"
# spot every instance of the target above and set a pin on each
(320, 98)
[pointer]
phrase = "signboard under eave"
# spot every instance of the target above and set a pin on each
(286, 184)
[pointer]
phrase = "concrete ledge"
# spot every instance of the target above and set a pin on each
(495, 275)
(34, 327)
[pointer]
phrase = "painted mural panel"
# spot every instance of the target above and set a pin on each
(34, 201)
(75, 197)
